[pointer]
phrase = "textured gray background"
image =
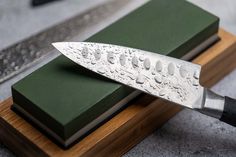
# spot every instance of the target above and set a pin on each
(188, 133)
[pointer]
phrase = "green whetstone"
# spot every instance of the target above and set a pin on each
(64, 97)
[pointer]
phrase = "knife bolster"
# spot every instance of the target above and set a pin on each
(213, 104)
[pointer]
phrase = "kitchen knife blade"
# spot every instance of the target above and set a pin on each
(165, 77)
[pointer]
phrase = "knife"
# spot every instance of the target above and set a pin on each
(162, 76)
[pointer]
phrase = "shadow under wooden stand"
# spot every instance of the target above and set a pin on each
(127, 128)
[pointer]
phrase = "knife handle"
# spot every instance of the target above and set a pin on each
(229, 112)
(217, 106)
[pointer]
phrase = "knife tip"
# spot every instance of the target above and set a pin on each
(56, 44)
(59, 45)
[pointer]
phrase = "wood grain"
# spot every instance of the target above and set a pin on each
(127, 128)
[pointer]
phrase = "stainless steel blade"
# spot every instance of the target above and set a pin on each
(169, 78)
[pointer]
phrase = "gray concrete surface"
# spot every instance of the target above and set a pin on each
(19, 20)
(188, 133)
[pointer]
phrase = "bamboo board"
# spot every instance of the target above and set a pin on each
(127, 128)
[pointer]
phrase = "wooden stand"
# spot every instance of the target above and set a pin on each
(126, 129)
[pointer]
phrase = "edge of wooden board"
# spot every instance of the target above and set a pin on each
(127, 128)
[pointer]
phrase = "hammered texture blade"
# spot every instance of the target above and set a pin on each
(169, 78)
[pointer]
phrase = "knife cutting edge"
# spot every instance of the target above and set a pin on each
(165, 77)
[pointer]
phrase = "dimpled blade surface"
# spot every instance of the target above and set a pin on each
(169, 78)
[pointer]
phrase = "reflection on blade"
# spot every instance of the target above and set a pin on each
(165, 77)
